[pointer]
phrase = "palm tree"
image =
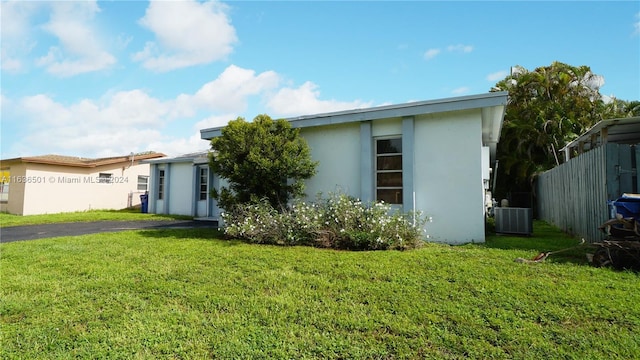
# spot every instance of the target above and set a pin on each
(547, 108)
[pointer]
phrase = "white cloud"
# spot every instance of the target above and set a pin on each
(215, 121)
(187, 32)
(4, 103)
(122, 41)
(593, 81)
(57, 114)
(80, 50)
(497, 76)
(179, 146)
(636, 25)
(88, 128)
(12, 65)
(460, 48)
(133, 120)
(120, 122)
(135, 108)
(431, 53)
(305, 100)
(230, 90)
(16, 42)
(193, 143)
(460, 91)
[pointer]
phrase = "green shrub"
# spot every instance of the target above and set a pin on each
(339, 222)
(490, 225)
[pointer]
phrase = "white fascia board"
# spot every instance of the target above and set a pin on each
(390, 111)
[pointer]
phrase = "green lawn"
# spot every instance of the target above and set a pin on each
(93, 215)
(185, 294)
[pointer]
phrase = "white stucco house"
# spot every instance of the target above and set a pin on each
(433, 156)
(180, 186)
(50, 184)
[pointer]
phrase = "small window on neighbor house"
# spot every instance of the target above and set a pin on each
(203, 183)
(143, 183)
(160, 184)
(4, 191)
(389, 170)
(5, 178)
(104, 178)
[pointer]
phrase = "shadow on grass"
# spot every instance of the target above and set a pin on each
(189, 233)
(545, 238)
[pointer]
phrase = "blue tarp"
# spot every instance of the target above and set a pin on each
(628, 205)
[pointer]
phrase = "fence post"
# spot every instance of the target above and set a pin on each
(612, 165)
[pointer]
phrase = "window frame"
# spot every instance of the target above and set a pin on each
(203, 180)
(161, 175)
(145, 183)
(105, 178)
(5, 182)
(378, 188)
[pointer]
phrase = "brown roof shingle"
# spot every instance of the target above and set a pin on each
(75, 161)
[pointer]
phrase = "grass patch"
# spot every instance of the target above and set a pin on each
(80, 216)
(545, 238)
(187, 294)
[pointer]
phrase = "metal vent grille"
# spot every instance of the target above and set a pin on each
(514, 220)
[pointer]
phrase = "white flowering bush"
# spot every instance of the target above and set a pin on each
(339, 222)
(258, 222)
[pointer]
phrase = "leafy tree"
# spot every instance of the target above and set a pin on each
(547, 108)
(616, 108)
(263, 159)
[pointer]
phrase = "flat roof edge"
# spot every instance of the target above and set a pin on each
(388, 111)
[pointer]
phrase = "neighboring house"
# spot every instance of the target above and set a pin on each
(180, 186)
(600, 166)
(53, 183)
(617, 131)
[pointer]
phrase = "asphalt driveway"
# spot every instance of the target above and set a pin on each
(32, 232)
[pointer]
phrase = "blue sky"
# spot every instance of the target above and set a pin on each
(105, 78)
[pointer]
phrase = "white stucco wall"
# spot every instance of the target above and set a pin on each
(337, 148)
(448, 175)
(386, 127)
(448, 170)
(180, 189)
(15, 202)
(66, 189)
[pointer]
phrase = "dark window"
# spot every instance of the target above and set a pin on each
(203, 183)
(389, 170)
(160, 184)
(104, 178)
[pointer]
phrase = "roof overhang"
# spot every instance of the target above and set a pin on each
(621, 131)
(70, 161)
(492, 119)
(492, 105)
(193, 158)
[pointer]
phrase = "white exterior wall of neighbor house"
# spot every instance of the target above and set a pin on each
(448, 175)
(15, 203)
(67, 189)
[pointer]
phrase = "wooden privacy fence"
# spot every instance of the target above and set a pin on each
(574, 196)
